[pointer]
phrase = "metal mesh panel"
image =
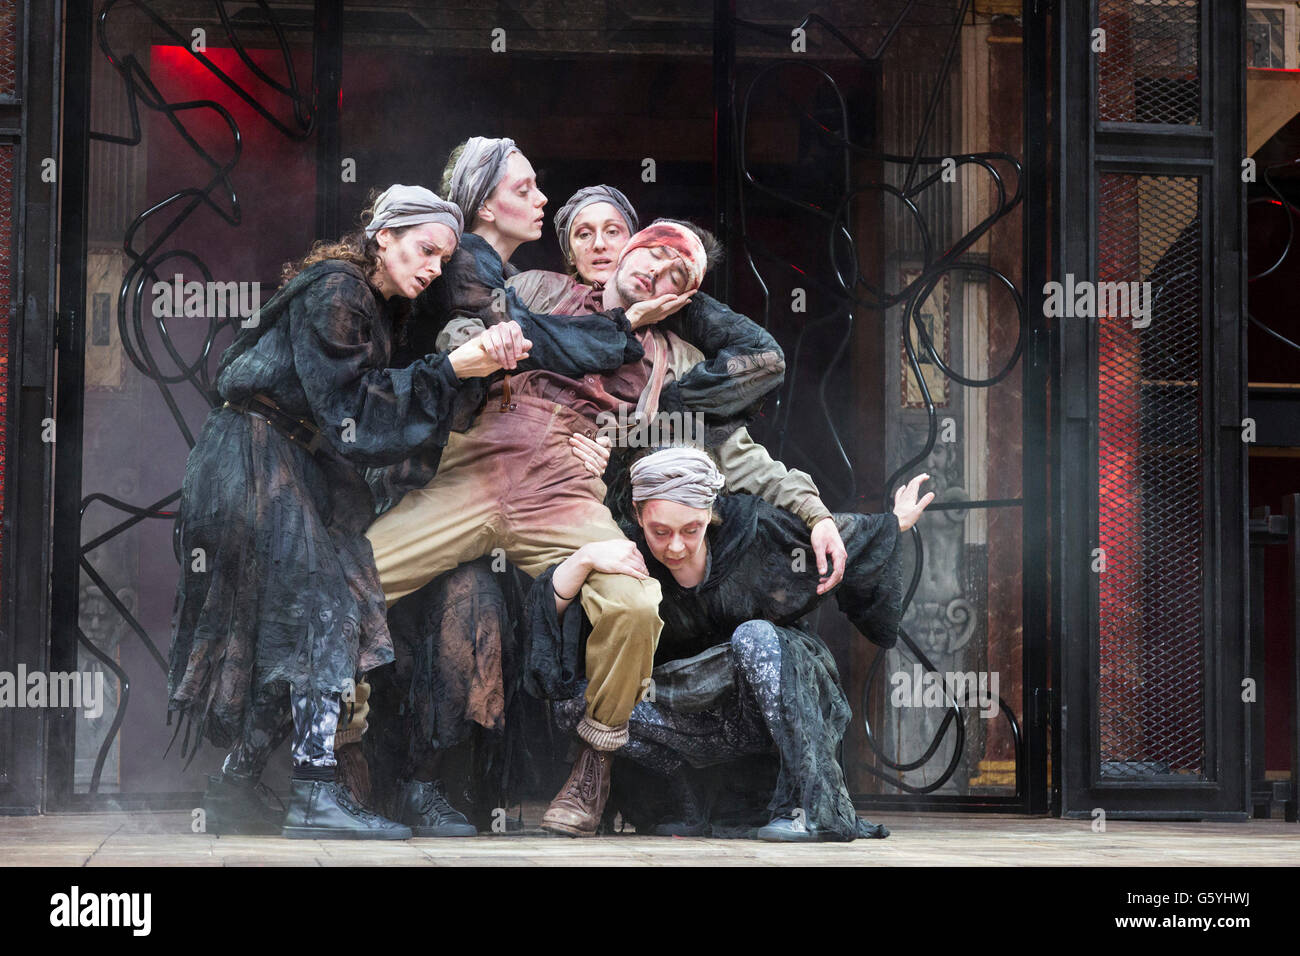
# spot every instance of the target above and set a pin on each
(8, 52)
(6, 297)
(1150, 449)
(1149, 70)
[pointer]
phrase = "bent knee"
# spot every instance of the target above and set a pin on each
(753, 641)
(629, 595)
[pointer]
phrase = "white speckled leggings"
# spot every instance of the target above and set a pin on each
(663, 740)
(313, 721)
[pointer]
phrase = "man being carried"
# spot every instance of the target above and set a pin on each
(510, 482)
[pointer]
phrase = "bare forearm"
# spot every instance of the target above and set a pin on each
(568, 579)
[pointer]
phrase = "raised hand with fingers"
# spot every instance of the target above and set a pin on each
(906, 507)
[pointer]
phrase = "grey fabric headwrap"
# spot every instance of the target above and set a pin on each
(480, 167)
(583, 198)
(685, 475)
(400, 205)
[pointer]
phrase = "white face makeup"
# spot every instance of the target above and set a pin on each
(414, 259)
(515, 207)
(674, 532)
(596, 236)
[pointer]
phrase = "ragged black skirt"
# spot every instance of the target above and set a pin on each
(278, 580)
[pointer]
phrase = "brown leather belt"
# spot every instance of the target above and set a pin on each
(297, 430)
(506, 404)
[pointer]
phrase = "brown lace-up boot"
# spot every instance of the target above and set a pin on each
(577, 810)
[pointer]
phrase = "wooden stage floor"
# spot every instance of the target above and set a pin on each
(138, 838)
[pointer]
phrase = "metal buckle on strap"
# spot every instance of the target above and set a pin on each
(506, 404)
(304, 434)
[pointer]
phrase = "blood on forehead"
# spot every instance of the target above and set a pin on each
(676, 239)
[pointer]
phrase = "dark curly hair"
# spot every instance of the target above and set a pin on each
(353, 247)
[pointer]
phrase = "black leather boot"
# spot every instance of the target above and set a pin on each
(240, 806)
(423, 807)
(320, 809)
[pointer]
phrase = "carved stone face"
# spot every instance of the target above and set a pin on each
(928, 628)
(940, 629)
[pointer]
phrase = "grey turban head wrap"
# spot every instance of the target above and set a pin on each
(582, 199)
(400, 205)
(480, 167)
(685, 475)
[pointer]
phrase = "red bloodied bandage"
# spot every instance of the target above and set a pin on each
(680, 240)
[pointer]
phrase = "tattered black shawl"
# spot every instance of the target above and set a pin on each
(761, 567)
(288, 589)
(271, 312)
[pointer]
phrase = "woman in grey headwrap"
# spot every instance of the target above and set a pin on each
(279, 605)
(593, 227)
(453, 637)
(496, 186)
(730, 570)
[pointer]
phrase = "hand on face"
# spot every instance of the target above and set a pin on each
(651, 311)
(412, 260)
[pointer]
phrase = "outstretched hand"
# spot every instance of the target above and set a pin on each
(906, 507)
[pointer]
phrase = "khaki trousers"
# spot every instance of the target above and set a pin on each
(512, 483)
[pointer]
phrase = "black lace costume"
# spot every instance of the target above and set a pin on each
(279, 582)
